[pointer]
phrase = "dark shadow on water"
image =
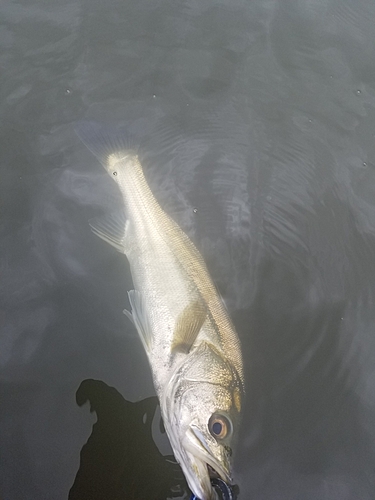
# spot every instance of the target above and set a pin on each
(120, 459)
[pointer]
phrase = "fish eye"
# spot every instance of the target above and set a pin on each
(219, 426)
(114, 173)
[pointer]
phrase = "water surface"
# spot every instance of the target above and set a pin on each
(258, 127)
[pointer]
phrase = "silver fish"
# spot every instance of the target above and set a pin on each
(190, 341)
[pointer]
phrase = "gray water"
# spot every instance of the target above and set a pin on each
(258, 126)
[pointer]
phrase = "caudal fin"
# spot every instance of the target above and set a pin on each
(105, 140)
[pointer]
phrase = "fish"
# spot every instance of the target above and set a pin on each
(191, 343)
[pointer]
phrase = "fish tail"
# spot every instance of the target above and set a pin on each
(106, 140)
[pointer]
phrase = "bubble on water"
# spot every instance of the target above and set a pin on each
(195, 210)
(68, 91)
(364, 164)
(358, 92)
(154, 96)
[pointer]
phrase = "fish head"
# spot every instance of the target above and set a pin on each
(202, 416)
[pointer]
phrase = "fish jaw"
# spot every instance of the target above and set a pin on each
(189, 455)
(197, 477)
(201, 465)
(196, 444)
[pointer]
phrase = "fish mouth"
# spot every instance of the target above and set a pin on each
(203, 466)
(213, 473)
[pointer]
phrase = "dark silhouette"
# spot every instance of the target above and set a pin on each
(120, 460)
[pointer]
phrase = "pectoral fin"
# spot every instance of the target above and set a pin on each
(188, 326)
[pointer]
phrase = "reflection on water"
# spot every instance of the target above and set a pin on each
(120, 459)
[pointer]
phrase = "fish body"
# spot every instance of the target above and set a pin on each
(191, 344)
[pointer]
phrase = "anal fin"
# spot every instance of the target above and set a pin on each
(140, 319)
(112, 229)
